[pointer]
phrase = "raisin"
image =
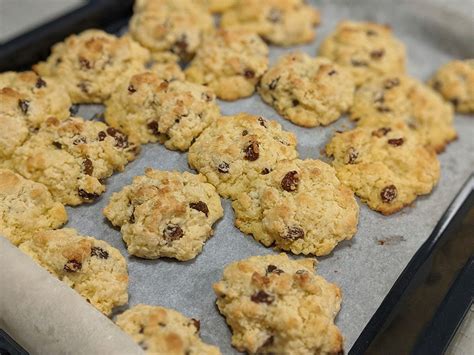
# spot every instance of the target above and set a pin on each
(153, 127)
(99, 253)
(295, 102)
(371, 33)
(377, 54)
(455, 102)
(381, 132)
(290, 181)
(73, 110)
(223, 167)
(245, 132)
(131, 89)
(252, 151)
(262, 121)
(359, 63)
(111, 131)
(87, 195)
(172, 232)
(383, 109)
(206, 97)
(200, 206)
(332, 72)
(300, 272)
(388, 193)
(84, 87)
(390, 83)
(180, 47)
(88, 166)
(72, 266)
(437, 85)
(274, 15)
(40, 83)
(131, 219)
(84, 63)
(121, 140)
(273, 84)
(196, 323)
(101, 135)
(352, 155)
(293, 233)
(262, 297)
(79, 140)
(272, 269)
(143, 345)
(249, 74)
(58, 145)
(265, 171)
(396, 142)
(24, 105)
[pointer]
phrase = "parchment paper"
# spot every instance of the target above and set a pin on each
(364, 269)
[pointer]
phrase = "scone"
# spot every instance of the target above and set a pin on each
(149, 109)
(275, 305)
(94, 269)
(217, 6)
(235, 150)
(455, 82)
(386, 167)
(73, 158)
(160, 330)
(165, 214)
(280, 22)
(230, 62)
(307, 91)
(175, 26)
(300, 206)
(26, 207)
(394, 98)
(367, 49)
(89, 65)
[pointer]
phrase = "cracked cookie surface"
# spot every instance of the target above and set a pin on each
(280, 22)
(300, 206)
(89, 65)
(388, 99)
(455, 82)
(73, 158)
(165, 214)
(367, 49)
(230, 62)
(26, 207)
(235, 150)
(275, 305)
(160, 330)
(386, 167)
(171, 27)
(93, 268)
(150, 109)
(307, 91)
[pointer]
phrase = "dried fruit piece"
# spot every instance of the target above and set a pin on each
(99, 253)
(290, 181)
(352, 155)
(396, 142)
(24, 105)
(200, 206)
(272, 269)
(262, 297)
(172, 232)
(223, 167)
(252, 151)
(87, 195)
(293, 233)
(72, 266)
(88, 167)
(389, 193)
(381, 132)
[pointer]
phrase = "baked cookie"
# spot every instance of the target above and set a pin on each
(307, 91)
(25, 207)
(386, 167)
(455, 82)
(280, 22)
(97, 271)
(89, 65)
(217, 6)
(160, 330)
(300, 206)
(236, 150)
(165, 214)
(388, 99)
(230, 62)
(73, 158)
(41, 97)
(275, 305)
(368, 49)
(150, 109)
(175, 26)
(166, 70)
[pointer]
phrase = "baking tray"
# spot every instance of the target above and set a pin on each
(367, 267)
